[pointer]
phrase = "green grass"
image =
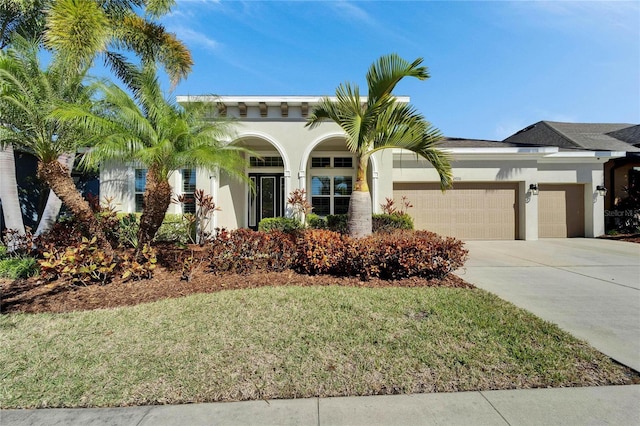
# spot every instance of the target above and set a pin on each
(287, 342)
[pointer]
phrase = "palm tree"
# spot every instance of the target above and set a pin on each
(159, 135)
(28, 96)
(9, 201)
(82, 29)
(379, 122)
(16, 17)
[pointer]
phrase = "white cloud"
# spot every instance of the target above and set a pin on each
(597, 16)
(189, 35)
(349, 11)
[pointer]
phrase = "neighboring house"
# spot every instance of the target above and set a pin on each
(619, 173)
(501, 190)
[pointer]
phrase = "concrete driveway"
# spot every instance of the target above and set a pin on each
(589, 287)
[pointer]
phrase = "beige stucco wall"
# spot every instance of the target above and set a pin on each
(270, 133)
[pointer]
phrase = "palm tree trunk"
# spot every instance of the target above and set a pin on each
(359, 219)
(157, 197)
(59, 179)
(9, 193)
(52, 208)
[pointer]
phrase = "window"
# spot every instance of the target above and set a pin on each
(266, 162)
(331, 187)
(338, 162)
(331, 194)
(188, 190)
(320, 162)
(140, 183)
(343, 162)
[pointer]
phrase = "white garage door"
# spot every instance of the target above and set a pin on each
(470, 211)
(561, 211)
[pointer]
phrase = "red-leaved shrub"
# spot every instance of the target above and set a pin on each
(404, 254)
(244, 251)
(320, 251)
(394, 255)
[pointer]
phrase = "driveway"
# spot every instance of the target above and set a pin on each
(589, 287)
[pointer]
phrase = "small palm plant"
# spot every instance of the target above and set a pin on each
(158, 134)
(376, 122)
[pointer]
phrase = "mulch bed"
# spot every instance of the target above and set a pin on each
(36, 295)
(632, 238)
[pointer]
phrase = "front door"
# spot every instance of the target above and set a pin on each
(268, 199)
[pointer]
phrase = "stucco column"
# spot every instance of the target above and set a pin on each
(594, 206)
(302, 179)
(528, 212)
(214, 185)
(374, 192)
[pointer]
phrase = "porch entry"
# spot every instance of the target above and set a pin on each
(268, 199)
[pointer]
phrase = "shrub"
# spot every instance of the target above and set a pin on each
(394, 255)
(283, 224)
(18, 267)
(380, 222)
(79, 263)
(243, 251)
(128, 226)
(320, 251)
(316, 222)
(338, 223)
(176, 228)
(403, 254)
(138, 268)
(3, 251)
(391, 222)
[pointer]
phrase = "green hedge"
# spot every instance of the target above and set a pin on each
(391, 222)
(283, 224)
(176, 229)
(380, 222)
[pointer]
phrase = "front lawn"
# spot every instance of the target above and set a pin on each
(288, 342)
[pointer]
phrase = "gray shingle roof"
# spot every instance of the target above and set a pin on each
(629, 135)
(589, 136)
(475, 143)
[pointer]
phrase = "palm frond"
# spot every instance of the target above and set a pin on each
(151, 42)
(80, 28)
(388, 70)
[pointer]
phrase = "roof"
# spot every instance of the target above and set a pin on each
(475, 143)
(630, 135)
(584, 136)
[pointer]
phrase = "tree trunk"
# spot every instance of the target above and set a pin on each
(52, 208)
(9, 193)
(157, 197)
(360, 210)
(59, 179)
(359, 222)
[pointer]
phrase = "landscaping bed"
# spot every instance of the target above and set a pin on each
(36, 295)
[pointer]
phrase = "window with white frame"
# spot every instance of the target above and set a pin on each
(331, 187)
(140, 184)
(188, 190)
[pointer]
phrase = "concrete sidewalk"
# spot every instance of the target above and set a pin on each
(616, 405)
(589, 287)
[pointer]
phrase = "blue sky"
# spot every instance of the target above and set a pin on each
(495, 66)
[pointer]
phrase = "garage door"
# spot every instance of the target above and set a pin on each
(470, 211)
(561, 211)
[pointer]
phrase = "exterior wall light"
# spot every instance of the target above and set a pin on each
(601, 190)
(534, 189)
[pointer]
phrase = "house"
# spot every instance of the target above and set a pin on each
(502, 190)
(620, 173)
